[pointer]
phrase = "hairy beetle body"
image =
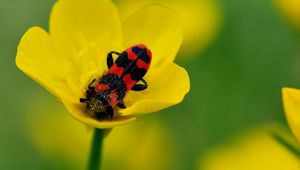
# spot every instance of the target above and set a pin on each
(123, 75)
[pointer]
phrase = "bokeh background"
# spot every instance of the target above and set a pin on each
(236, 78)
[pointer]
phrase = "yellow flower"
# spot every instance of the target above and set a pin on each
(60, 139)
(201, 20)
(73, 53)
(291, 10)
(257, 150)
(291, 102)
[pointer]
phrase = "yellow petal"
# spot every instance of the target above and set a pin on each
(291, 9)
(168, 85)
(255, 150)
(75, 23)
(156, 27)
(200, 18)
(291, 101)
(78, 111)
(37, 57)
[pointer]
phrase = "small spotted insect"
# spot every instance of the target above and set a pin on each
(122, 76)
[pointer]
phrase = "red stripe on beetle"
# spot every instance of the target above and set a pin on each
(102, 87)
(128, 82)
(142, 64)
(149, 53)
(113, 98)
(130, 54)
(116, 70)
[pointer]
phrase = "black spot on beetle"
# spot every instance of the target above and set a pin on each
(123, 60)
(141, 53)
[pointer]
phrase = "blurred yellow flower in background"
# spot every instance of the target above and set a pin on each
(254, 150)
(291, 10)
(60, 139)
(291, 102)
(201, 20)
(74, 52)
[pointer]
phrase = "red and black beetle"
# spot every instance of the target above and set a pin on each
(122, 76)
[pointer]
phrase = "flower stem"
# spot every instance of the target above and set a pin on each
(96, 149)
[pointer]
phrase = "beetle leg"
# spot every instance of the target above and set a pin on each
(90, 85)
(110, 60)
(82, 100)
(88, 91)
(121, 105)
(140, 87)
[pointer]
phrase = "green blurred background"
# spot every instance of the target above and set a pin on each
(235, 83)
